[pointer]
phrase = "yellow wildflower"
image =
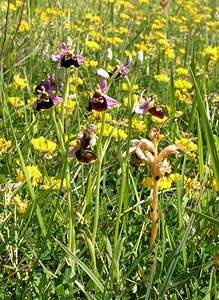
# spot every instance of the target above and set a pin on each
(24, 26)
(183, 28)
(182, 84)
(16, 101)
(124, 16)
(68, 108)
(148, 182)
(19, 82)
(5, 145)
(43, 145)
(182, 71)
(139, 125)
(164, 183)
(90, 63)
(175, 177)
(4, 6)
(184, 96)
(54, 184)
(188, 145)
(192, 187)
(162, 78)
(213, 52)
(33, 173)
(76, 80)
(169, 53)
(22, 205)
(125, 87)
(94, 46)
(18, 3)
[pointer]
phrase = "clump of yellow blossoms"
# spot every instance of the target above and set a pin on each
(5, 145)
(165, 183)
(43, 145)
(24, 26)
(182, 71)
(189, 146)
(90, 63)
(109, 129)
(192, 187)
(33, 172)
(94, 46)
(16, 101)
(182, 86)
(21, 204)
(212, 52)
(54, 184)
(68, 108)
(162, 78)
(19, 83)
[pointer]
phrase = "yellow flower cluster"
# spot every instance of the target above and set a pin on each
(21, 204)
(192, 187)
(19, 83)
(24, 26)
(162, 78)
(68, 108)
(138, 125)
(16, 101)
(5, 145)
(96, 115)
(125, 87)
(94, 46)
(54, 184)
(165, 182)
(43, 145)
(93, 19)
(182, 84)
(182, 71)
(90, 63)
(189, 146)
(212, 52)
(109, 129)
(33, 172)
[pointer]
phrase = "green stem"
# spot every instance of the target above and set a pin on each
(65, 96)
(59, 131)
(124, 168)
(99, 167)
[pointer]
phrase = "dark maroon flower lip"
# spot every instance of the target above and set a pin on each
(67, 63)
(156, 112)
(98, 103)
(45, 103)
(46, 98)
(67, 58)
(85, 156)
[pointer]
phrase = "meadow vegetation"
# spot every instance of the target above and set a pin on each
(109, 141)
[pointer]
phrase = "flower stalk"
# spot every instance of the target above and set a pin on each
(145, 150)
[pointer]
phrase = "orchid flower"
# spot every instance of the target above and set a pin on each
(144, 107)
(86, 140)
(100, 101)
(67, 58)
(46, 98)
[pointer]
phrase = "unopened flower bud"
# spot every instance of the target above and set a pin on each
(140, 56)
(109, 54)
(102, 73)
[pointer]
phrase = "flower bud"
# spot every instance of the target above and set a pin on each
(140, 56)
(109, 54)
(102, 73)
